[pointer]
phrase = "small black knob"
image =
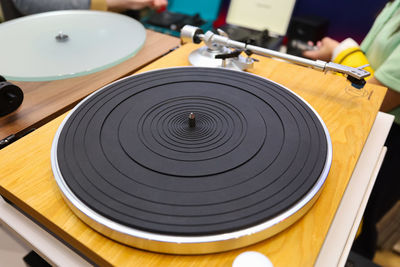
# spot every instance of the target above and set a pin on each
(11, 97)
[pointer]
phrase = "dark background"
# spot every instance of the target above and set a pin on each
(347, 18)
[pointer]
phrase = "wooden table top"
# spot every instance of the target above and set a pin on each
(27, 180)
(44, 101)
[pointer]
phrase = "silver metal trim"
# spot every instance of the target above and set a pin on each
(189, 244)
(205, 57)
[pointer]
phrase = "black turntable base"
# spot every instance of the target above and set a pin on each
(176, 158)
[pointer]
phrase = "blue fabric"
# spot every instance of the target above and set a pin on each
(207, 9)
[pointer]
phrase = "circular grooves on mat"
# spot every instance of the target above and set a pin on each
(129, 154)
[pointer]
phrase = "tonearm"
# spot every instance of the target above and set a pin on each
(219, 44)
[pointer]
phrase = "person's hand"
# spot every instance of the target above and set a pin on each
(324, 49)
(136, 4)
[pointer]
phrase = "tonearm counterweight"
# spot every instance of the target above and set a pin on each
(218, 46)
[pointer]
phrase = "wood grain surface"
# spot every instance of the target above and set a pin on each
(26, 177)
(43, 101)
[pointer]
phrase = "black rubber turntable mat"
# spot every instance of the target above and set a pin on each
(129, 153)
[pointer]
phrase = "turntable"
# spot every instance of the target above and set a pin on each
(66, 44)
(191, 160)
(53, 58)
(179, 144)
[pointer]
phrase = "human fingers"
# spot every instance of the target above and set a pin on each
(313, 54)
(139, 4)
(163, 3)
(329, 43)
(326, 40)
(157, 4)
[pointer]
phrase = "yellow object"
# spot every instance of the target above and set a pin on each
(98, 5)
(353, 57)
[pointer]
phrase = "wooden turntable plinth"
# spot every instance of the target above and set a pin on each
(27, 179)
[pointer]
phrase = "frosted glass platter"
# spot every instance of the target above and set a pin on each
(64, 44)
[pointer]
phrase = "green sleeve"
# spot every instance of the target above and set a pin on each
(389, 72)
